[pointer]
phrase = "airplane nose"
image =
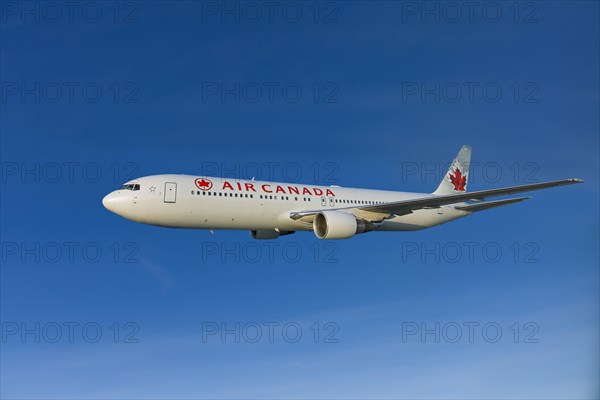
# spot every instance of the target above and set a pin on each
(120, 203)
(109, 202)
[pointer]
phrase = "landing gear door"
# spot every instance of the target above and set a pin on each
(170, 192)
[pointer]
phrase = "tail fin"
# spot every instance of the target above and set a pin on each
(455, 180)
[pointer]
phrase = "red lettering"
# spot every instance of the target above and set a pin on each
(227, 185)
(305, 191)
(329, 193)
(279, 189)
(239, 186)
(318, 192)
(249, 186)
(293, 189)
(264, 188)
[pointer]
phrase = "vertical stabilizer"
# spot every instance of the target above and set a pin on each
(456, 179)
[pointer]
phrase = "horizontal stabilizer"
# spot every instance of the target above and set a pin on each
(490, 204)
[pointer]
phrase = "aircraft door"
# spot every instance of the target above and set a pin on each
(323, 201)
(331, 202)
(170, 192)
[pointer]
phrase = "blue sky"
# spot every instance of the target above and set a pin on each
(389, 93)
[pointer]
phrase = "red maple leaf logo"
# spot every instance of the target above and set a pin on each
(204, 184)
(458, 180)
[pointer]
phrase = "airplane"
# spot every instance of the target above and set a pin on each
(272, 209)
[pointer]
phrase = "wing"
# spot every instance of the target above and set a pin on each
(379, 212)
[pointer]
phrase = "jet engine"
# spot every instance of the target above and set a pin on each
(339, 225)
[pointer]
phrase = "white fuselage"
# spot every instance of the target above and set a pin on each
(185, 201)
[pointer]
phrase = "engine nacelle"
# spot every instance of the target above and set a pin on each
(265, 234)
(339, 225)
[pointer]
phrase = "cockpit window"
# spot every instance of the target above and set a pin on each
(131, 187)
